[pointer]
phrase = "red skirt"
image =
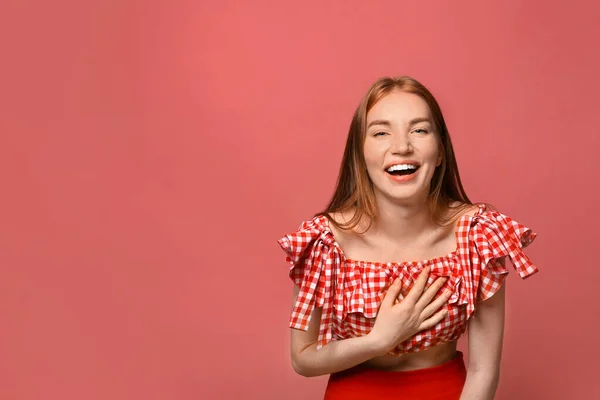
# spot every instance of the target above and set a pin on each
(442, 382)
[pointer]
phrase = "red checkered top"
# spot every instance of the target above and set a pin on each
(350, 291)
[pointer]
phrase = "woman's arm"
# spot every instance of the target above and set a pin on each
(394, 324)
(486, 331)
(335, 356)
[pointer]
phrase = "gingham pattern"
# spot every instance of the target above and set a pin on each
(350, 291)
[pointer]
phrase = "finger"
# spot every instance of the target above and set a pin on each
(436, 304)
(433, 320)
(392, 293)
(431, 292)
(415, 293)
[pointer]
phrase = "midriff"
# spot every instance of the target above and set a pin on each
(411, 361)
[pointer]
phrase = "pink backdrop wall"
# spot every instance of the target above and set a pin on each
(151, 154)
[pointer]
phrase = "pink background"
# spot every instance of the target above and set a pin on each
(151, 154)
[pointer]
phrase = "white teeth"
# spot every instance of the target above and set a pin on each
(401, 167)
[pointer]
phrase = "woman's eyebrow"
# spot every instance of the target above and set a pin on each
(389, 124)
(417, 120)
(379, 122)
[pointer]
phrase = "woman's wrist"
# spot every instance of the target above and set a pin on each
(376, 345)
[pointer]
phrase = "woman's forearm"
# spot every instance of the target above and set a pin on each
(480, 386)
(335, 356)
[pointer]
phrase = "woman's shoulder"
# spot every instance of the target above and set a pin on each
(484, 212)
(305, 239)
(457, 211)
(329, 227)
(342, 227)
(489, 226)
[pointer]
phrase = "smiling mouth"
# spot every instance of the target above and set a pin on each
(402, 169)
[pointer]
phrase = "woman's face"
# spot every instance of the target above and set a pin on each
(401, 147)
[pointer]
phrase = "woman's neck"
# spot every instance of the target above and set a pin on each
(402, 223)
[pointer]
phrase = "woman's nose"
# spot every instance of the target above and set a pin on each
(401, 144)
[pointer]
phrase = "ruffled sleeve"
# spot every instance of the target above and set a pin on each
(315, 261)
(493, 237)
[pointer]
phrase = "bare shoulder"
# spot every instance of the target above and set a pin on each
(457, 210)
(340, 234)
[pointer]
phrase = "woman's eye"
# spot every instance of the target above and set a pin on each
(421, 131)
(379, 133)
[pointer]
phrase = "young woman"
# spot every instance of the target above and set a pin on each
(400, 263)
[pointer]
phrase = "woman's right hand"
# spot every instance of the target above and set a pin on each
(397, 322)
